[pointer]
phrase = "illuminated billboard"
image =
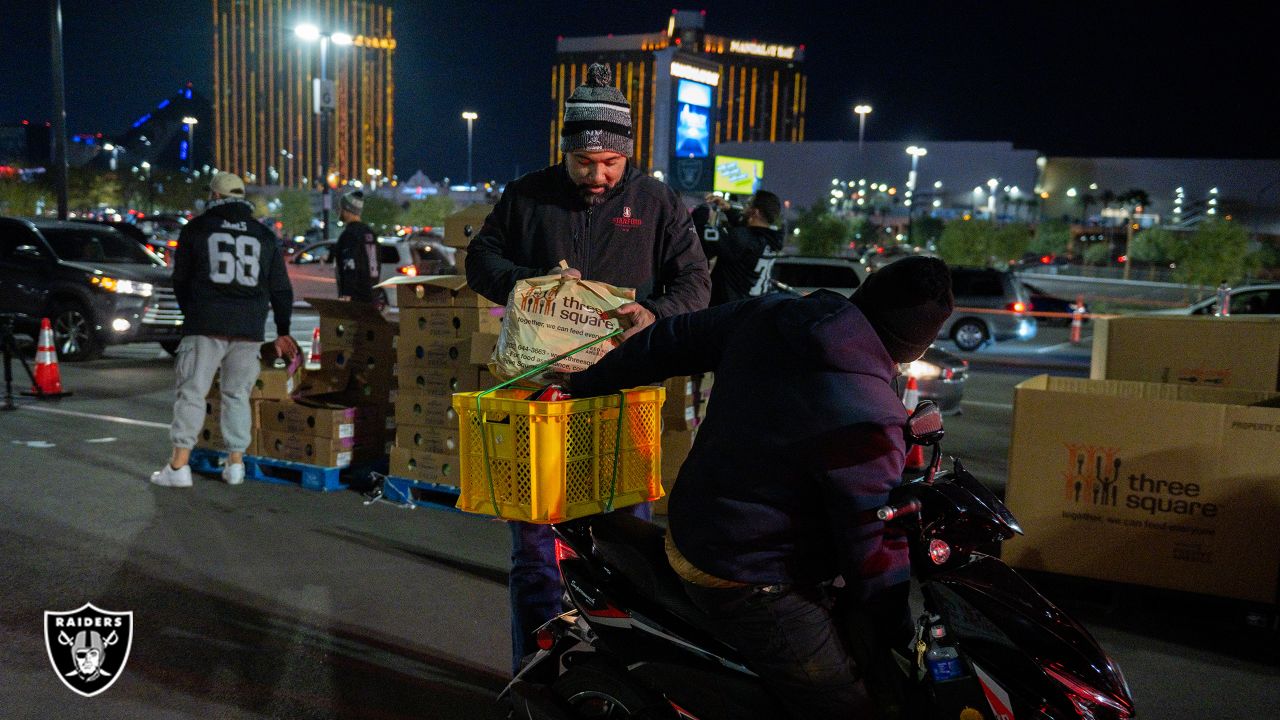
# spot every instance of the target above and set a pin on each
(693, 119)
(738, 176)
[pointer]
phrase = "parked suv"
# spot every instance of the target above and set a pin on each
(96, 286)
(806, 274)
(990, 305)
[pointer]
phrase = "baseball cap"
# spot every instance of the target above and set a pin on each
(225, 183)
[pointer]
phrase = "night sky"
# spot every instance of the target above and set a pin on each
(1079, 78)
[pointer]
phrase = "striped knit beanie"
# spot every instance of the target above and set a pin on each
(597, 116)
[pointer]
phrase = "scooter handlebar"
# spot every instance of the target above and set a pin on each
(895, 511)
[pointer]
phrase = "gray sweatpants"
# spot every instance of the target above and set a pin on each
(198, 359)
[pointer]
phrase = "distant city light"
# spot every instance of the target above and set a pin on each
(307, 32)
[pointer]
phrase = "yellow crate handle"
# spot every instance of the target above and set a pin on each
(484, 434)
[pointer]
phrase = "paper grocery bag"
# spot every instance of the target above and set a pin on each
(548, 316)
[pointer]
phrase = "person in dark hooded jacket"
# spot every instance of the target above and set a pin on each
(802, 442)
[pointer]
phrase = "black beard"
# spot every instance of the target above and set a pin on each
(591, 198)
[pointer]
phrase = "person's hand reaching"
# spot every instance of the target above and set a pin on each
(634, 318)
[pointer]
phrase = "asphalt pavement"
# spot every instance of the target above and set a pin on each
(269, 601)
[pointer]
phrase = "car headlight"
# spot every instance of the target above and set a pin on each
(922, 370)
(124, 287)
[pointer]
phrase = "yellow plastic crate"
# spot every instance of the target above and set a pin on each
(553, 461)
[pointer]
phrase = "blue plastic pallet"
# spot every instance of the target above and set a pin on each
(401, 490)
(271, 470)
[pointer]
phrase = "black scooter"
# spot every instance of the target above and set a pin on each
(987, 646)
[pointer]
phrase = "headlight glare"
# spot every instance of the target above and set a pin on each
(922, 370)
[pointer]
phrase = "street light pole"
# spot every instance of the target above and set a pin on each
(326, 200)
(59, 108)
(470, 117)
(310, 33)
(916, 153)
(862, 111)
(191, 122)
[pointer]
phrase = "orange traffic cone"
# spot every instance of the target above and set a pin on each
(910, 399)
(47, 379)
(313, 360)
(1077, 320)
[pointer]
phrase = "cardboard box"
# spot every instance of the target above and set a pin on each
(309, 449)
(426, 410)
(350, 324)
(434, 291)
(1162, 485)
(461, 226)
(1236, 352)
(438, 468)
(323, 417)
(439, 439)
(459, 322)
(423, 382)
(675, 449)
(425, 351)
(685, 401)
(277, 383)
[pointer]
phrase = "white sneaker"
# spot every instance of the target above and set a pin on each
(233, 474)
(168, 477)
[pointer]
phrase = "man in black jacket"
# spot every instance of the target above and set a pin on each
(738, 250)
(358, 268)
(227, 269)
(611, 223)
(802, 443)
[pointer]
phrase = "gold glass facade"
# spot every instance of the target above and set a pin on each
(759, 99)
(264, 125)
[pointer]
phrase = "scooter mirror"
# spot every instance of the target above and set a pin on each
(925, 425)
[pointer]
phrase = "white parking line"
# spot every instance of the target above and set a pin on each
(1062, 346)
(979, 403)
(108, 418)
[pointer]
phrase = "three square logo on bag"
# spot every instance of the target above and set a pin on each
(88, 646)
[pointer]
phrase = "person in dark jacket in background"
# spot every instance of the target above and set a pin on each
(738, 250)
(611, 223)
(227, 269)
(358, 269)
(802, 443)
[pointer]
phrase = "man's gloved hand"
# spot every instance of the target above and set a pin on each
(634, 318)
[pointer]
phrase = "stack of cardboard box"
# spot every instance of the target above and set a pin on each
(276, 381)
(682, 413)
(341, 412)
(447, 335)
(1161, 468)
(322, 430)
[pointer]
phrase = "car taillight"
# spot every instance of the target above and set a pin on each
(1019, 306)
(410, 270)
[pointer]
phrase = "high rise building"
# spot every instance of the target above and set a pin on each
(689, 90)
(266, 121)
